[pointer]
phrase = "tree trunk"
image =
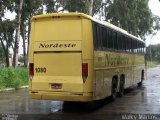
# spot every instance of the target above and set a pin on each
(90, 7)
(23, 34)
(7, 56)
(28, 38)
(17, 36)
(6, 53)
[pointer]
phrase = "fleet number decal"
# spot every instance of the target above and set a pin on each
(40, 70)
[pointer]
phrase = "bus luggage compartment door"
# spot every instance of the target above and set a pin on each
(57, 71)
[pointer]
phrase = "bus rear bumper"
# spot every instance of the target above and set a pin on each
(62, 96)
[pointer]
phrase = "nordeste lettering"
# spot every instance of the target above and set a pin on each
(56, 45)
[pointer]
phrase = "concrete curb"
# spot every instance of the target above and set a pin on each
(13, 89)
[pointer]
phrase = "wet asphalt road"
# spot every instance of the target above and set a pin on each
(138, 103)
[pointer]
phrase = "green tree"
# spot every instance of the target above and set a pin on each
(6, 37)
(4, 6)
(156, 25)
(97, 6)
(5, 25)
(75, 6)
(89, 7)
(85, 6)
(155, 52)
(29, 8)
(53, 6)
(132, 15)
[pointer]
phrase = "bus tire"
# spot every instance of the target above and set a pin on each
(121, 86)
(114, 89)
(139, 84)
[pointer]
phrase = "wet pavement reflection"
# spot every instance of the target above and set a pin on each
(137, 100)
(19, 102)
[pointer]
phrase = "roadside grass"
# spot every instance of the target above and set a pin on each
(152, 64)
(13, 77)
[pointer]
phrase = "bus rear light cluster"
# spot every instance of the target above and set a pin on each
(31, 71)
(84, 71)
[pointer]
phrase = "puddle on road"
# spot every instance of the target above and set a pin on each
(155, 75)
(56, 106)
(20, 102)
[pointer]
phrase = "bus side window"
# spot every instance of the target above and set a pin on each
(97, 33)
(110, 39)
(115, 40)
(132, 47)
(136, 46)
(139, 47)
(99, 37)
(120, 42)
(123, 39)
(95, 40)
(142, 48)
(128, 44)
(104, 38)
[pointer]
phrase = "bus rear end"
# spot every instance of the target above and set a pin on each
(57, 66)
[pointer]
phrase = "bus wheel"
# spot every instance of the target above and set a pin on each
(114, 89)
(121, 86)
(139, 84)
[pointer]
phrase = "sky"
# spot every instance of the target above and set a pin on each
(154, 5)
(155, 8)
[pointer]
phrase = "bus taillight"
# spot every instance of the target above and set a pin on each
(31, 71)
(84, 71)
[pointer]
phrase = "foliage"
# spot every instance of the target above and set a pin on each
(53, 6)
(7, 28)
(97, 5)
(152, 64)
(156, 25)
(153, 52)
(75, 6)
(71, 6)
(29, 8)
(5, 5)
(6, 31)
(13, 78)
(131, 15)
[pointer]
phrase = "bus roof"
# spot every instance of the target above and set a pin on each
(107, 24)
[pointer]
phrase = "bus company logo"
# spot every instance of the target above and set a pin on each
(118, 60)
(56, 45)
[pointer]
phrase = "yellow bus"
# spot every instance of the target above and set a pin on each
(74, 57)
